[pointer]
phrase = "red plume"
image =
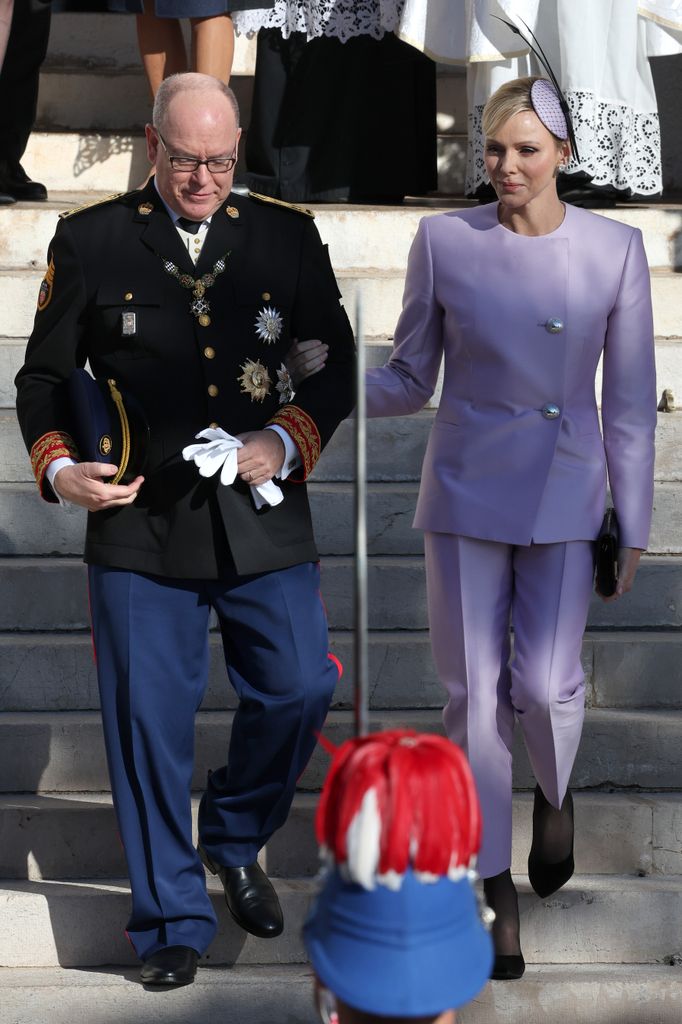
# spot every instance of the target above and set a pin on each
(397, 799)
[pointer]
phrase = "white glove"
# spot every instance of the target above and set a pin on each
(221, 451)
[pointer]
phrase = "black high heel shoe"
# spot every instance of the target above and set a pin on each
(500, 894)
(546, 874)
(508, 967)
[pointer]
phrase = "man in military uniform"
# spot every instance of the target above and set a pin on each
(189, 298)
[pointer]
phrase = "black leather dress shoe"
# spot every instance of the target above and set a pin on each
(174, 965)
(16, 184)
(250, 897)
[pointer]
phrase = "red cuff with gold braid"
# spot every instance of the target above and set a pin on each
(47, 448)
(303, 432)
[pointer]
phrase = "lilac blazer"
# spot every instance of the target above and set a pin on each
(502, 464)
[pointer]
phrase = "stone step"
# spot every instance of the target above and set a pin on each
(101, 164)
(40, 528)
(581, 994)
(63, 752)
(590, 921)
(395, 450)
(109, 41)
(56, 671)
(78, 98)
(38, 594)
(75, 835)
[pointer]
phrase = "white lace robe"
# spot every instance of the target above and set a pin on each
(341, 19)
(598, 50)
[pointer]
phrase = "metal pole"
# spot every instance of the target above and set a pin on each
(361, 702)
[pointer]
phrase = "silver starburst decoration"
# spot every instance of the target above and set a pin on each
(285, 385)
(269, 325)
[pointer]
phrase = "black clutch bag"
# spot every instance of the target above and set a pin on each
(606, 556)
(109, 426)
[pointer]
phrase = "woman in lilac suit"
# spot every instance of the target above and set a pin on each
(521, 298)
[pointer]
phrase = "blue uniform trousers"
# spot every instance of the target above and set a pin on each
(151, 641)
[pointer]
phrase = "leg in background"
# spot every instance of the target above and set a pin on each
(162, 47)
(19, 78)
(213, 46)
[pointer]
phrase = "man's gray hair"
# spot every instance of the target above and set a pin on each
(188, 82)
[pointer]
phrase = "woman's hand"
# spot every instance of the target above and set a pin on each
(305, 358)
(628, 560)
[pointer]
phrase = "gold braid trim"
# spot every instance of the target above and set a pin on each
(125, 431)
(303, 432)
(55, 445)
(280, 202)
(65, 214)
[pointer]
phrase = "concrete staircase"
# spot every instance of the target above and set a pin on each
(603, 950)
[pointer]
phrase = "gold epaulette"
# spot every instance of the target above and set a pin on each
(280, 202)
(95, 202)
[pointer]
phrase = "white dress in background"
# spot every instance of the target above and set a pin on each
(599, 52)
(340, 19)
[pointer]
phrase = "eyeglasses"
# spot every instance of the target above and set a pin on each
(215, 165)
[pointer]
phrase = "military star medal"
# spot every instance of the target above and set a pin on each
(255, 380)
(269, 325)
(199, 306)
(285, 385)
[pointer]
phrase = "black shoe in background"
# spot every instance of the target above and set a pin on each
(16, 185)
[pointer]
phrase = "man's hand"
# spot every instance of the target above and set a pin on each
(83, 484)
(261, 457)
(305, 358)
(628, 560)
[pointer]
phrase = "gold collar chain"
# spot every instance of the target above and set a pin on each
(199, 307)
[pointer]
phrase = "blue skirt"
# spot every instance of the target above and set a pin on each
(162, 8)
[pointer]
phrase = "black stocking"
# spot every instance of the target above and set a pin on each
(500, 894)
(552, 828)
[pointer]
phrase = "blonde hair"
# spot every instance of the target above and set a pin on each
(511, 98)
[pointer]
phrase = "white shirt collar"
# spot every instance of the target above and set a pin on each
(175, 217)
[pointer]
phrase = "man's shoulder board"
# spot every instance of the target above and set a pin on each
(280, 202)
(95, 202)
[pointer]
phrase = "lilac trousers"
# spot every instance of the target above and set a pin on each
(476, 589)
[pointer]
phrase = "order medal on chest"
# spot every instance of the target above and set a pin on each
(199, 304)
(255, 380)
